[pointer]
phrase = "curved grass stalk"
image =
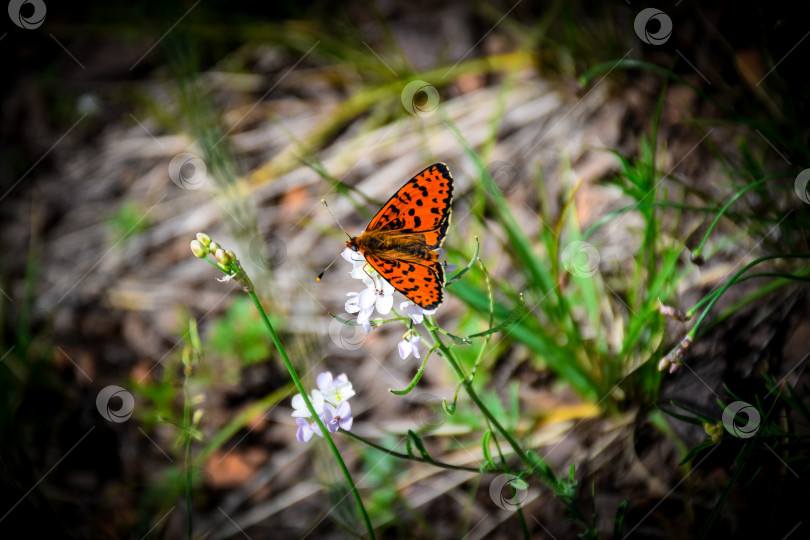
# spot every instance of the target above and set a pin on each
(697, 251)
(416, 378)
(716, 296)
(679, 206)
(488, 336)
(400, 455)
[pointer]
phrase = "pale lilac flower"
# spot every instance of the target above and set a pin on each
(300, 408)
(305, 430)
(325, 380)
(330, 401)
(408, 346)
(338, 417)
(416, 313)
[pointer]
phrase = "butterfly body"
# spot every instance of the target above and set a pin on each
(400, 241)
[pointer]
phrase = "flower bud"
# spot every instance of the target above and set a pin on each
(231, 255)
(213, 247)
(198, 249)
(204, 239)
(222, 257)
(714, 431)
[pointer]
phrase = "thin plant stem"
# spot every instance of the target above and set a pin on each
(400, 455)
(472, 393)
(326, 435)
(539, 468)
(188, 464)
(698, 250)
(716, 296)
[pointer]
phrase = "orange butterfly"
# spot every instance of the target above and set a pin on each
(400, 241)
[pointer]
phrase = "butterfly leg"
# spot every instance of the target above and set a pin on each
(374, 281)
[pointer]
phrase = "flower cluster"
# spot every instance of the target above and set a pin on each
(379, 295)
(331, 402)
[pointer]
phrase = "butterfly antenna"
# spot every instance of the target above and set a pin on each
(323, 202)
(318, 278)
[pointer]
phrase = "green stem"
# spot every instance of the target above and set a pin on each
(697, 251)
(473, 395)
(313, 412)
(538, 467)
(784, 277)
(506, 469)
(716, 296)
(400, 455)
(187, 435)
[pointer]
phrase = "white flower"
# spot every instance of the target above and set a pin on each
(379, 295)
(337, 390)
(359, 266)
(416, 313)
(409, 345)
(300, 408)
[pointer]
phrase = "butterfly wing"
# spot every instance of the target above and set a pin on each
(421, 283)
(422, 205)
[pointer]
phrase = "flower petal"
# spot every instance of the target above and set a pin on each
(344, 410)
(304, 430)
(352, 303)
(324, 381)
(404, 349)
(348, 254)
(367, 298)
(299, 407)
(317, 401)
(415, 312)
(384, 304)
(365, 315)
